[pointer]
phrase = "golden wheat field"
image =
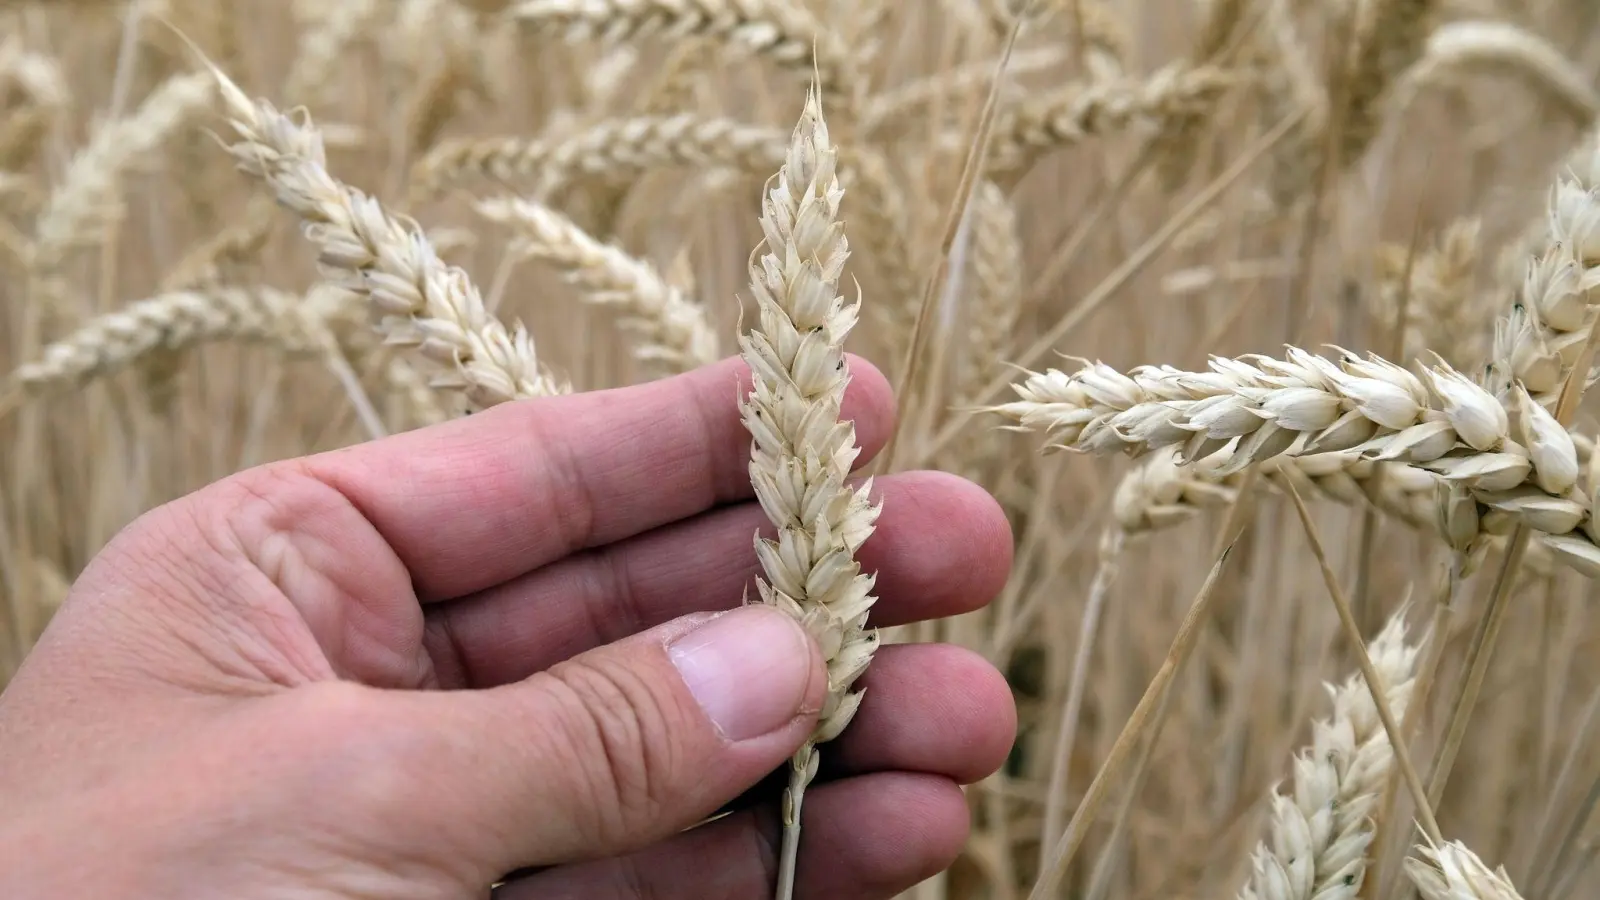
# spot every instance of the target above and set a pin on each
(1311, 289)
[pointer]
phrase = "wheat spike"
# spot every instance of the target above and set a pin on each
(1394, 37)
(672, 331)
(1457, 49)
(802, 453)
(615, 148)
(1044, 122)
(1444, 311)
(425, 304)
(175, 322)
(89, 196)
(324, 45)
(1321, 828)
(1453, 872)
(779, 30)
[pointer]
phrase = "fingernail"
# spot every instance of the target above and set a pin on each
(748, 669)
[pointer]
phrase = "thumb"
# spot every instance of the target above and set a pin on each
(629, 743)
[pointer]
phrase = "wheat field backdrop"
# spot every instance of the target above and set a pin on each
(1394, 203)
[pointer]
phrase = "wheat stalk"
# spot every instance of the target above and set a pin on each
(424, 303)
(672, 330)
(802, 453)
(1321, 829)
(1094, 27)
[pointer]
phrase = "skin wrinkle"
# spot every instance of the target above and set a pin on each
(627, 711)
(572, 501)
(199, 578)
(578, 721)
(612, 606)
(451, 663)
(281, 523)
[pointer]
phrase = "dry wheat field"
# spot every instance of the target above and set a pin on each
(1310, 290)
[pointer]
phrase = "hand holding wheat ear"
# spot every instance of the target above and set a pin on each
(802, 452)
(510, 641)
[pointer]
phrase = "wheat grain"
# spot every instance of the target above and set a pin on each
(425, 304)
(672, 332)
(802, 453)
(1441, 422)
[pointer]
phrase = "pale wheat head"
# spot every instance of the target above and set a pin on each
(802, 453)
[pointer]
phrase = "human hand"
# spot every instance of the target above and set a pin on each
(406, 668)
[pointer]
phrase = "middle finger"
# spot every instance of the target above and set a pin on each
(942, 547)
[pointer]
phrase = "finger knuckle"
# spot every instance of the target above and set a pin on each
(619, 735)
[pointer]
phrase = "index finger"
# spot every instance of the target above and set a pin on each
(475, 502)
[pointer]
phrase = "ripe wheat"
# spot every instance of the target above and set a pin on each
(802, 453)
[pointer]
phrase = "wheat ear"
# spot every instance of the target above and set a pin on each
(424, 303)
(1041, 123)
(1450, 871)
(175, 322)
(90, 194)
(1463, 48)
(802, 453)
(1394, 38)
(672, 331)
(784, 31)
(614, 148)
(1440, 421)
(1444, 311)
(1317, 847)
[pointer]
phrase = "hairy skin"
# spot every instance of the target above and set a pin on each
(408, 668)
